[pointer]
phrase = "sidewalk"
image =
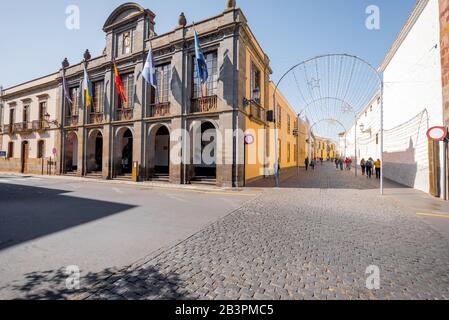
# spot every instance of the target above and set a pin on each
(433, 211)
(145, 184)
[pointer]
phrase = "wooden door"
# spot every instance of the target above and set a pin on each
(25, 153)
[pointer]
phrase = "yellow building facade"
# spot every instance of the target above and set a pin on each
(288, 132)
(325, 149)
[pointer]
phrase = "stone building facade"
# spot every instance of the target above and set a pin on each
(27, 135)
(113, 139)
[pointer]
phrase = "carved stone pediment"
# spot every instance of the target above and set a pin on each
(125, 13)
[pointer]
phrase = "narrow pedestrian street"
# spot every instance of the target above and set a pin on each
(314, 238)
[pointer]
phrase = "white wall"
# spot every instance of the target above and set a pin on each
(412, 103)
(413, 84)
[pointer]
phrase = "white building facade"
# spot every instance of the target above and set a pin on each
(412, 104)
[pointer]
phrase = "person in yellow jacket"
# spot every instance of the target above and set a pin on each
(378, 166)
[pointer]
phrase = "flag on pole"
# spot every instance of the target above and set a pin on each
(149, 71)
(119, 86)
(203, 73)
(87, 87)
(66, 88)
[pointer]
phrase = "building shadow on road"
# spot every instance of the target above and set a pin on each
(29, 213)
(147, 283)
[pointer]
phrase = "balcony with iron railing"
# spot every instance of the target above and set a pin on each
(72, 120)
(23, 127)
(124, 114)
(96, 118)
(158, 110)
(255, 111)
(204, 104)
(40, 125)
(8, 129)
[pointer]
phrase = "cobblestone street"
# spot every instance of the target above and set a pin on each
(312, 239)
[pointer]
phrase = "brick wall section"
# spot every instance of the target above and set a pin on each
(444, 45)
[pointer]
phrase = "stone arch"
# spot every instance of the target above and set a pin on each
(123, 150)
(158, 150)
(94, 155)
(204, 154)
(71, 152)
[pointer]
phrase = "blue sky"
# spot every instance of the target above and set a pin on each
(35, 40)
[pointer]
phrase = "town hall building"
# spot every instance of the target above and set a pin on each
(43, 133)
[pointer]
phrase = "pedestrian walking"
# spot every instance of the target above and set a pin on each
(337, 163)
(306, 163)
(363, 165)
(341, 163)
(377, 166)
(369, 168)
(313, 164)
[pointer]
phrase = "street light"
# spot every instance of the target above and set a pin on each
(47, 120)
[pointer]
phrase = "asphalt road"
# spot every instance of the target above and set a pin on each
(47, 224)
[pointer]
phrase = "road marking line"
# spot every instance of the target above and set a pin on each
(433, 215)
(117, 190)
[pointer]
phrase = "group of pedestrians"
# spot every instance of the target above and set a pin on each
(370, 166)
(312, 164)
(343, 164)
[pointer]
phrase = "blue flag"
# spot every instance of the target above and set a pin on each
(149, 71)
(203, 73)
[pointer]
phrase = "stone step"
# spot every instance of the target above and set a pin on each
(160, 178)
(204, 181)
(125, 177)
(94, 175)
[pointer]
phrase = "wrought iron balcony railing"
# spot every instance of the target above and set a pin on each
(204, 105)
(40, 125)
(158, 110)
(256, 111)
(23, 127)
(8, 129)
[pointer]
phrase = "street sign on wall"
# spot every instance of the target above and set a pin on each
(2, 154)
(249, 139)
(437, 133)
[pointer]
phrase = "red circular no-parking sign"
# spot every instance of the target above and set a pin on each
(437, 133)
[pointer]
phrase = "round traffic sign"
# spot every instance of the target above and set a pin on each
(437, 133)
(249, 139)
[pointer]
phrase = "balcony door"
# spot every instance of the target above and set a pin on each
(12, 116)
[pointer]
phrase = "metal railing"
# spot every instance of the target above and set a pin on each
(204, 104)
(23, 127)
(256, 111)
(158, 110)
(40, 125)
(8, 128)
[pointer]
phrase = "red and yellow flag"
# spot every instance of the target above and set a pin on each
(119, 86)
